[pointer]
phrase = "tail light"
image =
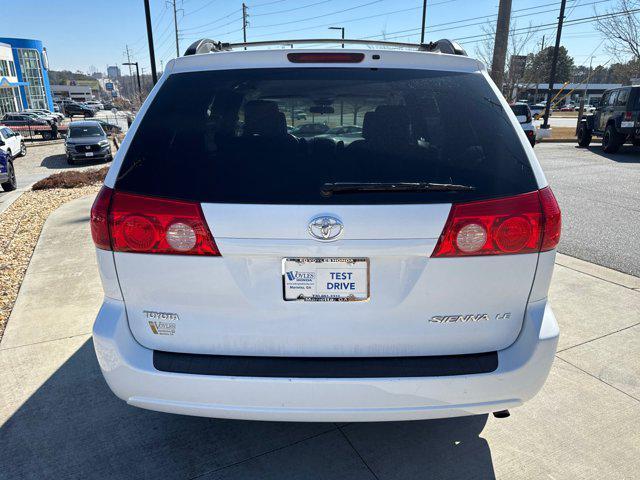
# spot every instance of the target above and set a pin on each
(125, 222)
(628, 115)
(525, 223)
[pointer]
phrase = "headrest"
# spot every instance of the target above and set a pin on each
(389, 124)
(262, 117)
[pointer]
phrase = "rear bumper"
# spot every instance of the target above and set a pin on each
(129, 371)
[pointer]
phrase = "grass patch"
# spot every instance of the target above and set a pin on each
(72, 179)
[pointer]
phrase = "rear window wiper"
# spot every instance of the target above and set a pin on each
(352, 187)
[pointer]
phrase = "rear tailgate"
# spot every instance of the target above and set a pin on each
(219, 138)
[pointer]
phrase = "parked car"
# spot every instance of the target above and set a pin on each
(23, 119)
(538, 109)
(95, 104)
(8, 180)
(257, 275)
(47, 115)
(310, 130)
(12, 143)
(87, 140)
(523, 115)
(56, 115)
(72, 109)
(109, 106)
(586, 109)
(345, 134)
(567, 108)
(616, 120)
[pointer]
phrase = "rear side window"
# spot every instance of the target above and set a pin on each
(623, 96)
(268, 136)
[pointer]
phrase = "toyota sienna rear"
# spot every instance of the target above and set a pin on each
(252, 273)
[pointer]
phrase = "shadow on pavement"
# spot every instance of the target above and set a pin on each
(60, 161)
(74, 427)
(626, 154)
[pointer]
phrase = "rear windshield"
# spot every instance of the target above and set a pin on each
(519, 110)
(269, 136)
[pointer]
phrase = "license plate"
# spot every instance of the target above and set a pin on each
(88, 154)
(326, 279)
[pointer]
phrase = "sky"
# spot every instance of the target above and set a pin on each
(88, 35)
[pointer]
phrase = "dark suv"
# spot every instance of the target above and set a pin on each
(616, 120)
(72, 109)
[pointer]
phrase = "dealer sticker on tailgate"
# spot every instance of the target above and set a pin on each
(326, 279)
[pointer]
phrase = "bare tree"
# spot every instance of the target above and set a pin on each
(621, 32)
(518, 41)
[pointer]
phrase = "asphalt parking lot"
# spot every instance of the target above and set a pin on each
(599, 194)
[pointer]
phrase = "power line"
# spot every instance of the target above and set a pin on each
(362, 5)
(291, 9)
(214, 22)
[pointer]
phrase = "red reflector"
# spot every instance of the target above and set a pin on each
(126, 222)
(524, 223)
(99, 225)
(628, 115)
(325, 57)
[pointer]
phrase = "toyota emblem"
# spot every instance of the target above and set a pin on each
(325, 228)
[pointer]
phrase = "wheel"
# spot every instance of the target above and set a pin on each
(12, 183)
(70, 160)
(611, 140)
(584, 135)
(23, 149)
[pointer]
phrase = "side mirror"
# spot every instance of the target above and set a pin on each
(1, 143)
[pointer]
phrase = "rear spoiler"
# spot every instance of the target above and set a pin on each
(206, 45)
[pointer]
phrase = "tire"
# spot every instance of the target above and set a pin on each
(23, 149)
(584, 135)
(12, 183)
(611, 140)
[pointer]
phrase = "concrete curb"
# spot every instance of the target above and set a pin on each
(598, 271)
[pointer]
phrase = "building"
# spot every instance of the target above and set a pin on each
(572, 92)
(79, 93)
(9, 93)
(113, 72)
(29, 86)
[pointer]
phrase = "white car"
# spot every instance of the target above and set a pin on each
(524, 117)
(252, 274)
(12, 143)
(95, 104)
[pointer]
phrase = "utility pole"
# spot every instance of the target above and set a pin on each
(424, 19)
(535, 96)
(554, 63)
(152, 54)
(500, 43)
(244, 23)
(137, 75)
(175, 24)
(128, 62)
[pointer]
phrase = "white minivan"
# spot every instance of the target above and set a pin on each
(253, 274)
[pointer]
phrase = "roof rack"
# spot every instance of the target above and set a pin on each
(206, 45)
